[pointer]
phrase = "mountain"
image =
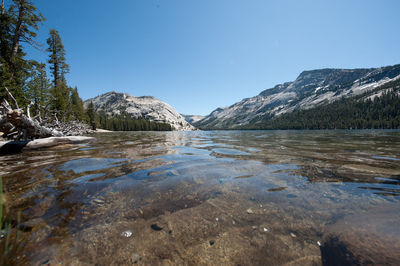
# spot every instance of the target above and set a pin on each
(192, 118)
(148, 107)
(310, 90)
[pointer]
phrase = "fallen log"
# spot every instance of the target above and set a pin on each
(17, 125)
(32, 127)
(10, 147)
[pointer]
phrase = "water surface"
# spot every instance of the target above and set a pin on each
(225, 197)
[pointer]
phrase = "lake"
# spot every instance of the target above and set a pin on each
(209, 198)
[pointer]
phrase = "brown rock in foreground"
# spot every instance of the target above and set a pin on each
(369, 238)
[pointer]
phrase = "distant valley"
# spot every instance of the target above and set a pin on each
(192, 118)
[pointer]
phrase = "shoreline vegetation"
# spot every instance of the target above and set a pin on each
(43, 107)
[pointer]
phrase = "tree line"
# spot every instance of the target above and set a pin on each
(124, 122)
(381, 111)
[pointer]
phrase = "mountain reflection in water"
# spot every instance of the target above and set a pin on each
(212, 197)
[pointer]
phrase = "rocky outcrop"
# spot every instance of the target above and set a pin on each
(148, 107)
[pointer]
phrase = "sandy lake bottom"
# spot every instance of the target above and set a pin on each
(208, 198)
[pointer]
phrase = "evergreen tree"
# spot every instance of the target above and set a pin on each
(124, 122)
(78, 111)
(27, 18)
(18, 24)
(60, 101)
(38, 89)
(60, 92)
(57, 60)
(91, 112)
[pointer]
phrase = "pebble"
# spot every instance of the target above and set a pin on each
(174, 172)
(249, 211)
(233, 222)
(127, 233)
(292, 235)
(155, 227)
(135, 258)
(98, 201)
(216, 219)
(265, 229)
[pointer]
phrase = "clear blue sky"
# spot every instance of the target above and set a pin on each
(201, 54)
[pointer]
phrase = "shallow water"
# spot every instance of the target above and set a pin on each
(212, 197)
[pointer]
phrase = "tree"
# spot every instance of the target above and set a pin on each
(78, 111)
(60, 101)
(27, 18)
(58, 66)
(18, 24)
(91, 112)
(60, 92)
(38, 89)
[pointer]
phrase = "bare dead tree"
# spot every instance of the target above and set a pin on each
(17, 124)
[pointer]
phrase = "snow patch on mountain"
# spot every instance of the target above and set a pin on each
(310, 89)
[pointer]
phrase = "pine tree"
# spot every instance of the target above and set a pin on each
(26, 23)
(58, 66)
(18, 24)
(78, 111)
(60, 92)
(38, 89)
(91, 112)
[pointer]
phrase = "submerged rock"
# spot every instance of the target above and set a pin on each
(155, 227)
(127, 233)
(368, 238)
(249, 211)
(135, 258)
(98, 201)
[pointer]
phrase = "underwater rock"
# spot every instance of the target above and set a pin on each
(127, 233)
(366, 238)
(155, 227)
(276, 189)
(135, 258)
(98, 201)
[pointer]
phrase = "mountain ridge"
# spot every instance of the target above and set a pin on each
(310, 89)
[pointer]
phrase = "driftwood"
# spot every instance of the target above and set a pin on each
(15, 124)
(9, 147)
